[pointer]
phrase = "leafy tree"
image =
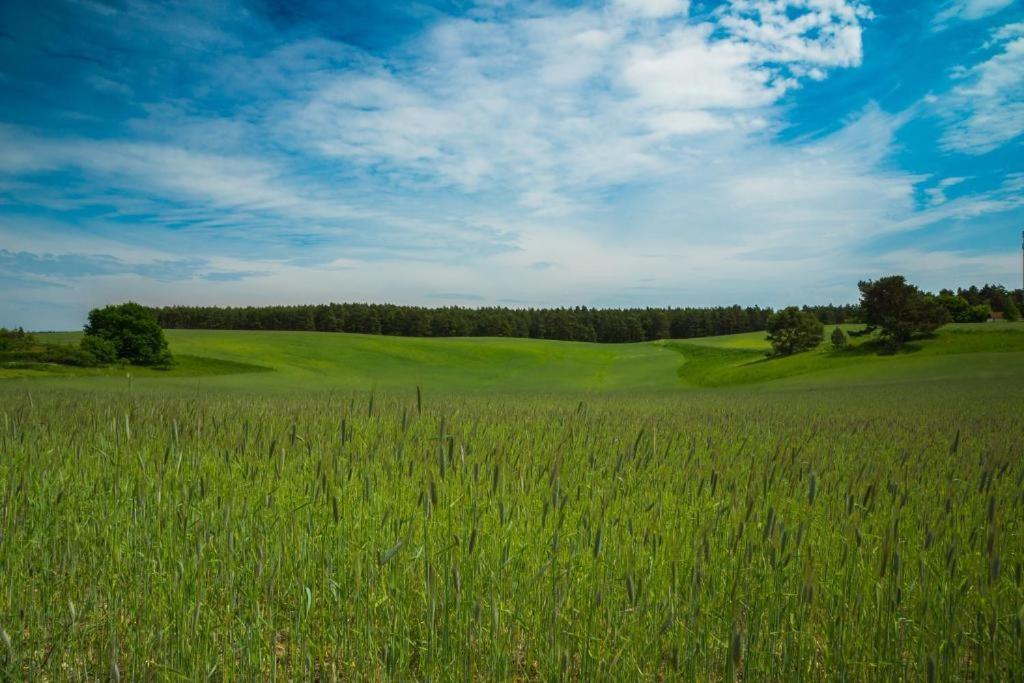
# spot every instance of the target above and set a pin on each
(15, 340)
(1000, 300)
(957, 306)
(101, 350)
(1009, 307)
(327, 320)
(133, 331)
(961, 310)
(656, 324)
(792, 330)
(993, 298)
(977, 314)
(839, 340)
(900, 309)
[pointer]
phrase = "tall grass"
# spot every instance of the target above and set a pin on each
(858, 534)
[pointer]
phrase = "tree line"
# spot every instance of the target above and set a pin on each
(975, 304)
(897, 310)
(568, 324)
(580, 323)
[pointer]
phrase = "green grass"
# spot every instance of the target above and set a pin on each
(994, 352)
(855, 533)
(317, 361)
(186, 365)
(755, 341)
(287, 506)
(289, 361)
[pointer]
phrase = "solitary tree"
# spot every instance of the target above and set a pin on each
(839, 340)
(900, 309)
(792, 330)
(133, 331)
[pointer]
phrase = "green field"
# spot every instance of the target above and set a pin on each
(284, 361)
(288, 506)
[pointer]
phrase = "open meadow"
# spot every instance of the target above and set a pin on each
(284, 362)
(338, 507)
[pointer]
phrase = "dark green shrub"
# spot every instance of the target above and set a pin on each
(15, 340)
(67, 355)
(133, 331)
(839, 340)
(792, 330)
(102, 350)
(961, 311)
(978, 314)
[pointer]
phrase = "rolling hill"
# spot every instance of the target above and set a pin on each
(287, 361)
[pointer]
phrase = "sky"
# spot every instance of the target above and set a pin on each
(618, 153)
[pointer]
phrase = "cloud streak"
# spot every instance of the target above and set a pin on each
(986, 109)
(64, 268)
(967, 10)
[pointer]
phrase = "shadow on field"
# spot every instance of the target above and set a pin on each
(874, 347)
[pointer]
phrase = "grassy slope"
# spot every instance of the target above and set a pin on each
(310, 360)
(186, 365)
(992, 351)
(305, 360)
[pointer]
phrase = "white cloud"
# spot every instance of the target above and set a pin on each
(811, 33)
(1007, 196)
(937, 195)
(987, 109)
(967, 10)
(558, 104)
(653, 8)
(689, 72)
(669, 123)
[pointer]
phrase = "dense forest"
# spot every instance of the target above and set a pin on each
(570, 324)
(612, 325)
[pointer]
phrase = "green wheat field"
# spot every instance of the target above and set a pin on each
(313, 506)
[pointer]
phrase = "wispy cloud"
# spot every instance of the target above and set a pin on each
(986, 109)
(937, 194)
(967, 10)
(58, 269)
(1006, 197)
(224, 195)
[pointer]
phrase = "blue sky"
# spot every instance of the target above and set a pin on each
(630, 152)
